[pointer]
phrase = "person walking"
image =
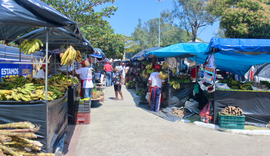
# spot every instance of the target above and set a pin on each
(108, 71)
(123, 70)
(117, 80)
(155, 84)
(85, 73)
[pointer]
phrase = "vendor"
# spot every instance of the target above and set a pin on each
(42, 72)
(85, 73)
(155, 84)
(154, 62)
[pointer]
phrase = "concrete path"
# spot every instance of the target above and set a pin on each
(120, 128)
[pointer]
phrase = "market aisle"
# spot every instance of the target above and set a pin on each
(119, 128)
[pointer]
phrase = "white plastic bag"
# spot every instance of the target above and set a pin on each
(147, 96)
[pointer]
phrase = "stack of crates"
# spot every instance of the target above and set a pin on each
(231, 122)
(82, 111)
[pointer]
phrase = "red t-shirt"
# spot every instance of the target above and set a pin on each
(108, 68)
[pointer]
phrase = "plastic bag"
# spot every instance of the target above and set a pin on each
(192, 106)
(205, 113)
(147, 96)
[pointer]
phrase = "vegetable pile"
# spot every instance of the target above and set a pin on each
(16, 139)
(237, 84)
(232, 110)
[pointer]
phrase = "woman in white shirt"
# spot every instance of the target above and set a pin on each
(86, 79)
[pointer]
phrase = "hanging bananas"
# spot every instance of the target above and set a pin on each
(69, 56)
(162, 75)
(149, 66)
(78, 56)
(30, 46)
(144, 74)
(164, 65)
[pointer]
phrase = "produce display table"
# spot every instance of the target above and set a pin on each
(255, 105)
(183, 94)
(51, 116)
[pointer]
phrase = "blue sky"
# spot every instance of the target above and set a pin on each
(129, 11)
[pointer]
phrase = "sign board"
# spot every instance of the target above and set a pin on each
(13, 69)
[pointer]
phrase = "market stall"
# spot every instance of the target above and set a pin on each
(237, 56)
(50, 104)
(179, 86)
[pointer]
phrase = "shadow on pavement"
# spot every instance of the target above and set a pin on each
(165, 113)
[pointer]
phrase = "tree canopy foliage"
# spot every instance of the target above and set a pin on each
(192, 15)
(146, 35)
(242, 18)
(97, 30)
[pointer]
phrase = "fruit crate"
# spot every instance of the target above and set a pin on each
(231, 122)
(82, 106)
(82, 118)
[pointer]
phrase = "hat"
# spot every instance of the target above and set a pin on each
(158, 67)
(43, 65)
(82, 62)
(107, 62)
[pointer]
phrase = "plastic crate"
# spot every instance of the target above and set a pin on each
(82, 118)
(231, 122)
(82, 106)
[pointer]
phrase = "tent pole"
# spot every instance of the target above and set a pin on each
(196, 74)
(20, 66)
(169, 87)
(46, 73)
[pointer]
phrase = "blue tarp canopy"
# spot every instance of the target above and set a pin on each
(57, 37)
(179, 50)
(18, 16)
(231, 54)
(98, 54)
(139, 55)
(244, 46)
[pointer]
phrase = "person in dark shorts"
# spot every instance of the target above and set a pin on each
(117, 80)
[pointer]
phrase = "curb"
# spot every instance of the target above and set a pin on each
(233, 131)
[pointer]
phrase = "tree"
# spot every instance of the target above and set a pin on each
(94, 28)
(242, 18)
(220, 33)
(146, 36)
(192, 15)
(82, 11)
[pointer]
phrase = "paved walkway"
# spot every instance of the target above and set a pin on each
(120, 128)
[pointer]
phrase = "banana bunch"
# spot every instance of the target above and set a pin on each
(162, 75)
(175, 84)
(174, 71)
(69, 56)
(149, 71)
(78, 56)
(149, 66)
(144, 74)
(30, 46)
(164, 65)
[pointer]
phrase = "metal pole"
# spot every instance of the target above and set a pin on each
(159, 25)
(169, 87)
(32, 65)
(20, 66)
(46, 74)
(196, 67)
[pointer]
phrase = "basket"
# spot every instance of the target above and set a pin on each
(231, 122)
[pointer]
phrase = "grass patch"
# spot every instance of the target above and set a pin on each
(249, 127)
(194, 118)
